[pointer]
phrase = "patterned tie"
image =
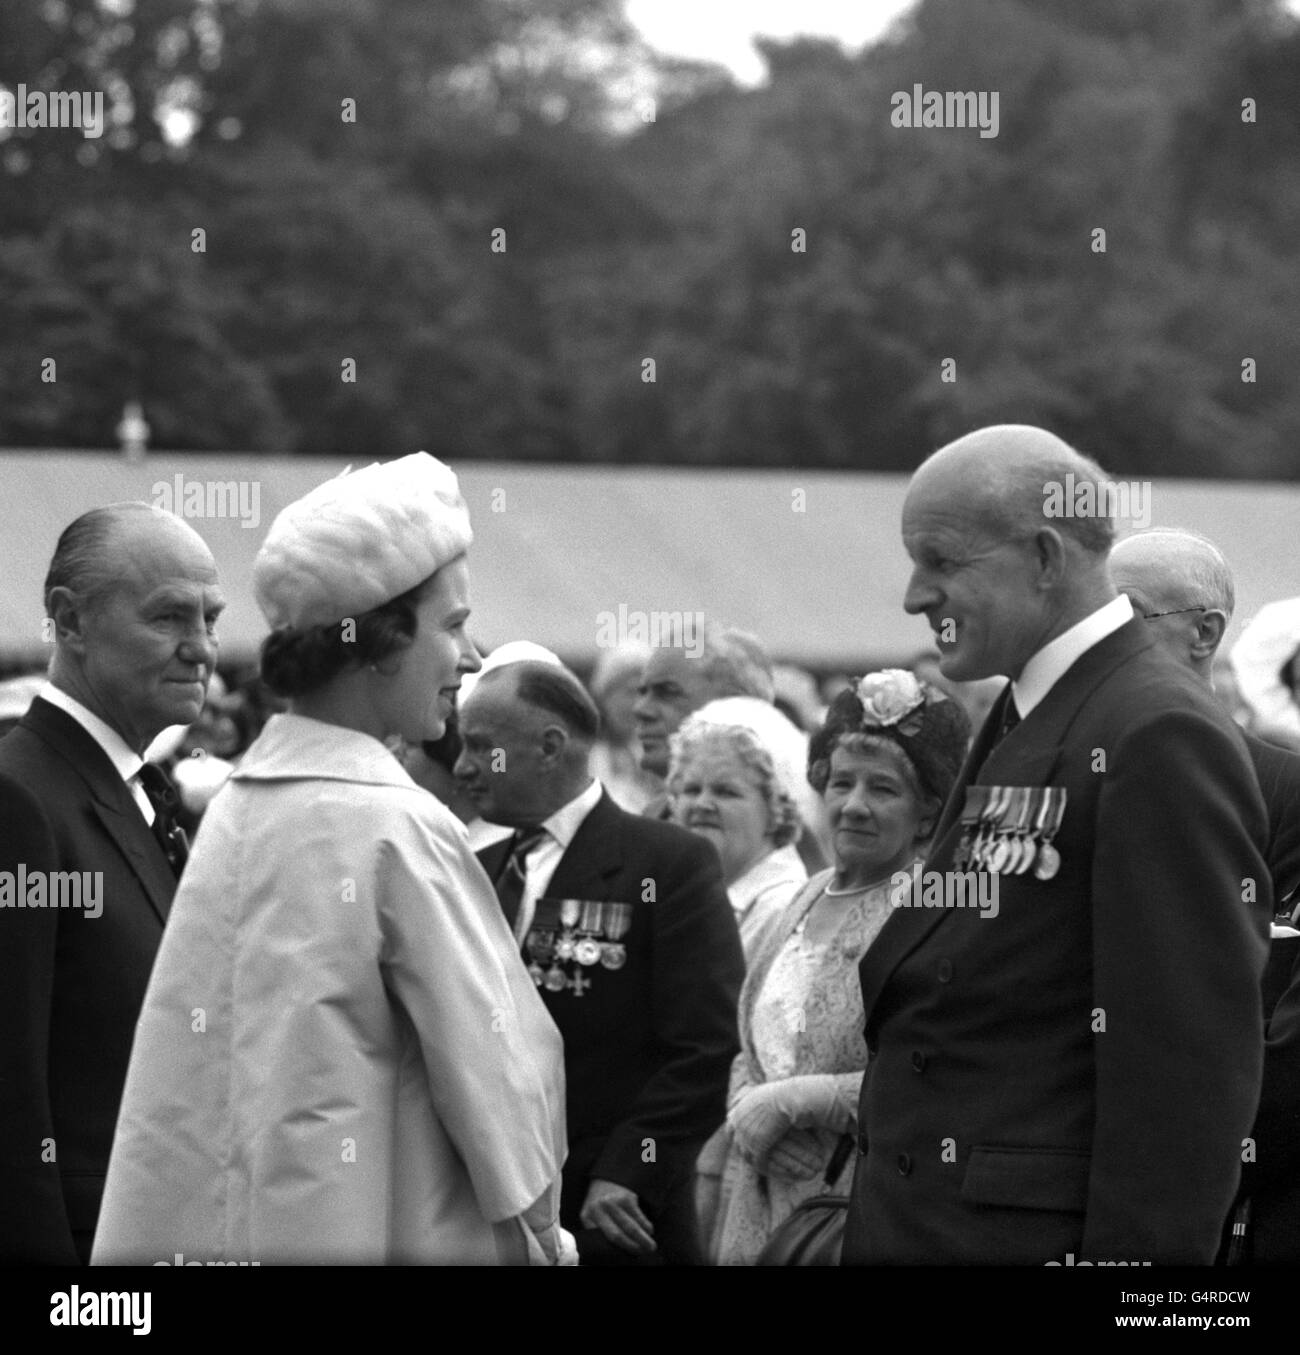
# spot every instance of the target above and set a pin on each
(162, 795)
(510, 879)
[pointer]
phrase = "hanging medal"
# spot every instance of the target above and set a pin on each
(570, 910)
(617, 918)
(1001, 847)
(1049, 859)
(587, 950)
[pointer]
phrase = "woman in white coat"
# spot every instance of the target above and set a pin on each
(341, 1058)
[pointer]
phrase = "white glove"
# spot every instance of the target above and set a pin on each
(798, 1156)
(763, 1115)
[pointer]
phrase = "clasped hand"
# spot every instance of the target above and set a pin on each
(771, 1126)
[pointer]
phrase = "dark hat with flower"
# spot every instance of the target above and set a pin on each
(931, 730)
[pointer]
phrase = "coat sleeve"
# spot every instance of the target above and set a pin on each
(697, 972)
(34, 1226)
(492, 1054)
(1277, 1125)
(1179, 909)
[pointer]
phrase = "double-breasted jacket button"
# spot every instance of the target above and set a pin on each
(945, 971)
(862, 1143)
(904, 1165)
(918, 1061)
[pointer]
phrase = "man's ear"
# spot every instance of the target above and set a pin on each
(67, 613)
(1209, 632)
(1050, 556)
(553, 744)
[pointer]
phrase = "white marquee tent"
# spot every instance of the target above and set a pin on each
(809, 561)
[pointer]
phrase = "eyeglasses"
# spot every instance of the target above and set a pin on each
(1177, 611)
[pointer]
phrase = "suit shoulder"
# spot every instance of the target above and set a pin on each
(1148, 688)
(1278, 769)
(670, 838)
(18, 794)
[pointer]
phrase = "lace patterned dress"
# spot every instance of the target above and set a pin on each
(800, 1013)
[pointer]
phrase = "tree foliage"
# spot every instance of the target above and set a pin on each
(528, 206)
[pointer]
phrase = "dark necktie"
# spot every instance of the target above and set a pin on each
(166, 804)
(510, 879)
(1010, 718)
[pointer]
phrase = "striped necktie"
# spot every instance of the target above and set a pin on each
(511, 878)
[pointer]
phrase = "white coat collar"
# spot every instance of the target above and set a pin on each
(293, 747)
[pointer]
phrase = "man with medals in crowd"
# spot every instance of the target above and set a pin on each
(1067, 1077)
(627, 932)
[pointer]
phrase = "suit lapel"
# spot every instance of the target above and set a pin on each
(114, 806)
(908, 927)
(1027, 756)
(593, 857)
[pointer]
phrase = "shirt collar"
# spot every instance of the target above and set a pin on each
(566, 820)
(120, 753)
(782, 866)
(1047, 667)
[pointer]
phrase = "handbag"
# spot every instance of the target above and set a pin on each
(814, 1232)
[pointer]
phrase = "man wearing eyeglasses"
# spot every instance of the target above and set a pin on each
(1182, 587)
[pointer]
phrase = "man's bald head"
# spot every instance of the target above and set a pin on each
(997, 574)
(94, 549)
(1169, 568)
(526, 734)
(553, 692)
(1000, 475)
(1182, 584)
(133, 595)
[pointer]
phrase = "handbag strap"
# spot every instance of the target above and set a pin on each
(839, 1157)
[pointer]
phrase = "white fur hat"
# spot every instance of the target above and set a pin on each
(359, 540)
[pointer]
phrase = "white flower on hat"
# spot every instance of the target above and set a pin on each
(889, 697)
(360, 540)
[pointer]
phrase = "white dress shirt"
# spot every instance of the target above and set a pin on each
(540, 863)
(1046, 668)
(126, 762)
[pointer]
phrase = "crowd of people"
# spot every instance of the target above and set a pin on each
(422, 956)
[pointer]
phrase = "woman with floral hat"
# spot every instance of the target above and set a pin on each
(883, 762)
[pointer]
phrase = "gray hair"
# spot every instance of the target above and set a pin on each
(81, 560)
(736, 663)
(696, 735)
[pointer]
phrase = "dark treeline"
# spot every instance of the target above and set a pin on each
(667, 231)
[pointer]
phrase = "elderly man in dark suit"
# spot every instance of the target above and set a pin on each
(627, 931)
(1072, 1078)
(1182, 587)
(88, 857)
